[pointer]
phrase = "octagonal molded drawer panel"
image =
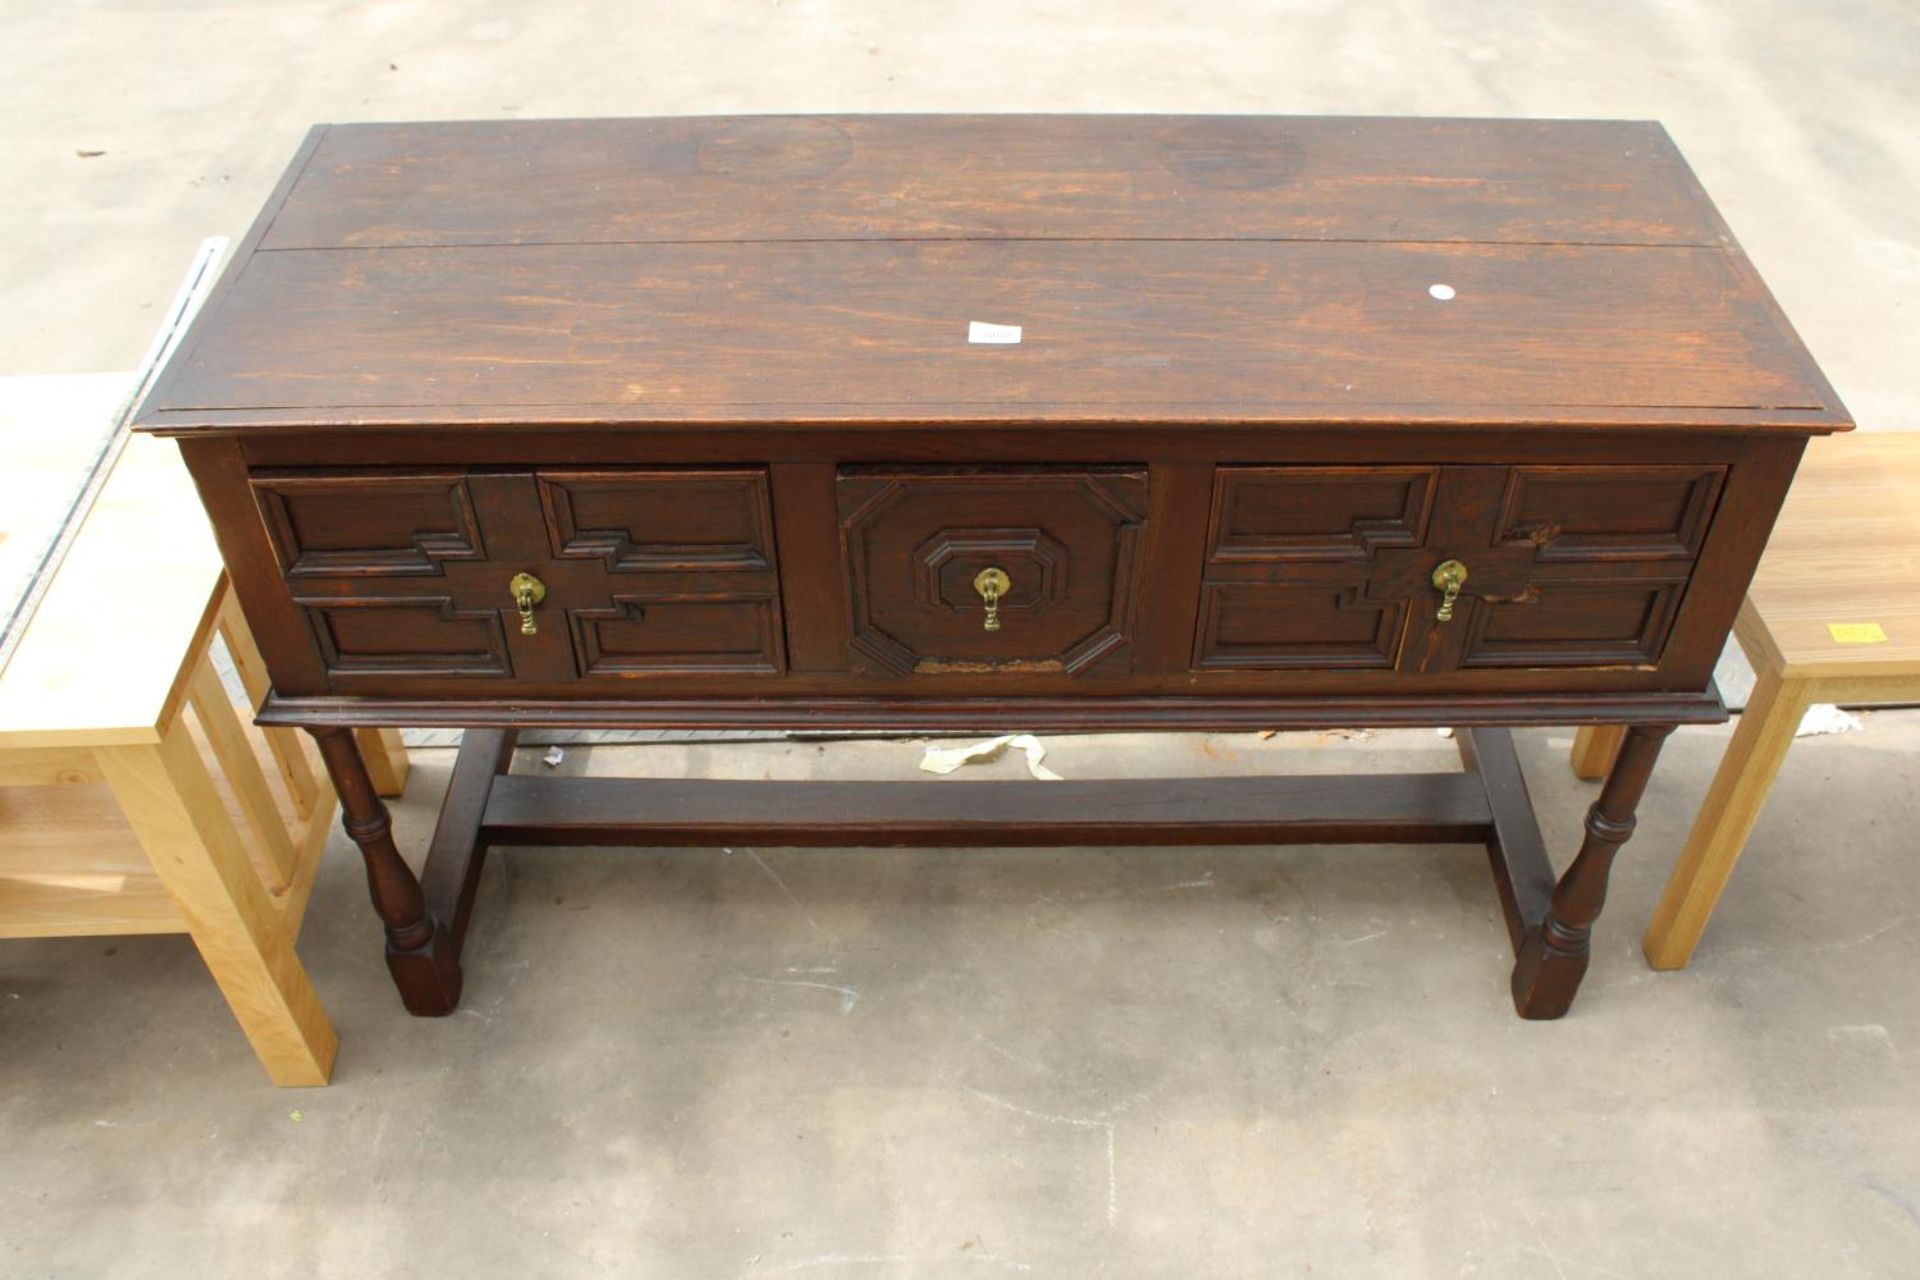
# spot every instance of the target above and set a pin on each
(1068, 540)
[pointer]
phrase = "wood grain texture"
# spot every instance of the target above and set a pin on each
(47, 767)
(176, 812)
(1337, 809)
(1727, 816)
(1362, 439)
(1079, 714)
(1237, 269)
(1846, 549)
(144, 552)
(1594, 749)
(1516, 852)
(458, 851)
(70, 865)
(720, 178)
(813, 576)
(693, 332)
(386, 757)
(1174, 553)
(287, 745)
(232, 748)
(1742, 521)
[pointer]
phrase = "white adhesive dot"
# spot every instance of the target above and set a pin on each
(1443, 292)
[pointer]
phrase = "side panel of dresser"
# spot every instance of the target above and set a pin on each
(1188, 549)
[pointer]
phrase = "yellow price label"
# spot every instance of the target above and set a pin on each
(1856, 633)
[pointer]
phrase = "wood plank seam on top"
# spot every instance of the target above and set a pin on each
(1478, 188)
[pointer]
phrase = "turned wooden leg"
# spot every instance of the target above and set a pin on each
(1554, 957)
(422, 958)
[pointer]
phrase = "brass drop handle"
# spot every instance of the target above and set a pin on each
(1448, 579)
(992, 584)
(528, 591)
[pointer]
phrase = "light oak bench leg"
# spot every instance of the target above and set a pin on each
(286, 744)
(1594, 749)
(176, 811)
(386, 757)
(1760, 742)
(228, 738)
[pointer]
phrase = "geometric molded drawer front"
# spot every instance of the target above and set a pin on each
(650, 571)
(685, 560)
(1576, 623)
(642, 634)
(1613, 548)
(1317, 513)
(1608, 513)
(396, 635)
(377, 524)
(1289, 553)
(1066, 538)
(660, 520)
(1566, 566)
(1269, 626)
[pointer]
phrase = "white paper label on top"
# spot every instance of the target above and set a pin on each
(980, 331)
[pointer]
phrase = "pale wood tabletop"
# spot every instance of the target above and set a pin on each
(100, 660)
(1838, 592)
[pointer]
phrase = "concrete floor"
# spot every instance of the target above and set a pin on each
(1069, 1063)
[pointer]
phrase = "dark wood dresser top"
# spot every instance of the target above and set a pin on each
(780, 270)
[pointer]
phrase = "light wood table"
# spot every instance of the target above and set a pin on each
(133, 797)
(1833, 615)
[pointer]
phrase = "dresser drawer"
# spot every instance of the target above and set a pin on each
(967, 571)
(669, 577)
(1333, 567)
(642, 572)
(1612, 553)
(328, 525)
(640, 521)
